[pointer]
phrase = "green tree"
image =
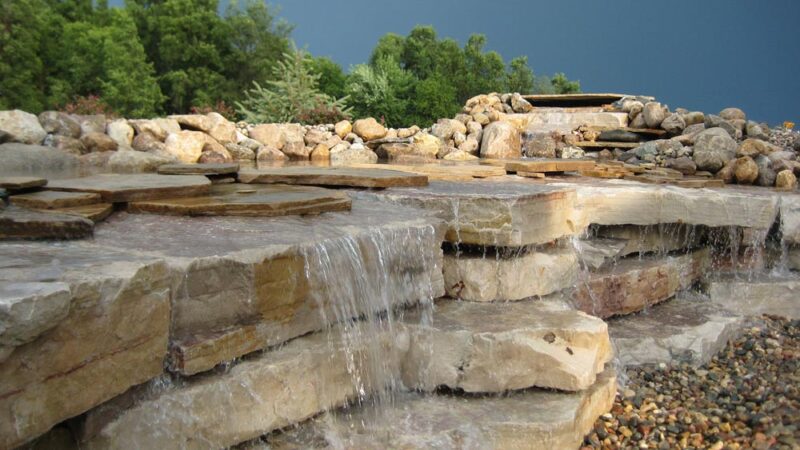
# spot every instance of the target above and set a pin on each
(332, 78)
(293, 96)
(520, 76)
(564, 86)
(107, 60)
(187, 41)
(256, 41)
(390, 46)
(434, 98)
(26, 26)
(381, 90)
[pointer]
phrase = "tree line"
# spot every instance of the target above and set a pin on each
(153, 57)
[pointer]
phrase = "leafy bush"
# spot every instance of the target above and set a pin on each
(291, 97)
(225, 110)
(88, 105)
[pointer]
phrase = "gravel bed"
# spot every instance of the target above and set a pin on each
(748, 396)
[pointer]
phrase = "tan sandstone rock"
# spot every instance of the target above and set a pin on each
(501, 140)
(186, 146)
(369, 129)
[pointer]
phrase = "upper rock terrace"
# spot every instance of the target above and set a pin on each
(196, 292)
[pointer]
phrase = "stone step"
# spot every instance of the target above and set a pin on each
(79, 327)
(12, 183)
(249, 200)
(633, 284)
(778, 295)
(527, 344)
(127, 188)
(683, 329)
(260, 394)
(332, 176)
(54, 199)
(531, 419)
(491, 213)
(619, 202)
(199, 169)
(22, 223)
(243, 284)
(480, 347)
(495, 278)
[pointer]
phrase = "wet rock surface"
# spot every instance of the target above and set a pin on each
(530, 419)
(684, 329)
(125, 188)
(754, 297)
(376, 178)
(745, 397)
(22, 223)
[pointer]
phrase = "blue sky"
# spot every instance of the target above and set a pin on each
(702, 54)
(698, 54)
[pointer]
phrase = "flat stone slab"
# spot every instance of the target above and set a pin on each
(489, 213)
(634, 284)
(778, 296)
(96, 212)
(23, 223)
(54, 199)
(441, 171)
(243, 284)
(136, 187)
(790, 218)
(489, 278)
(683, 329)
(530, 419)
(622, 202)
(333, 176)
(271, 391)
(480, 347)
(250, 200)
(80, 326)
(21, 183)
(199, 169)
(660, 239)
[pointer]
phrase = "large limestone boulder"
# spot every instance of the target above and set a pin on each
(60, 123)
(752, 147)
(267, 153)
(501, 140)
(745, 170)
(343, 128)
(713, 148)
(269, 134)
(539, 145)
(520, 105)
(240, 152)
(120, 132)
(158, 128)
(354, 154)
(295, 146)
(22, 159)
(186, 146)
(20, 126)
(222, 130)
(146, 142)
(131, 161)
(446, 128)
(98, 142)
(427, 145)
(654, 114)
(369, 129)
(530, 343)
(489, 279)
(91, 123)
(786, 180)
(732, 114)
(101, 326)
(66, 144)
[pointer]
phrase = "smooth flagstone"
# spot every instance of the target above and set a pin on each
(661, 238)
(37, 161)
(779, 296)
(250, 200)
(96, 212)
(54, 199)
(248, 283)
(267, 392)
(480, 347)
(633, 284)
(594, 252)
(112, 335)
(793, 258)
(23, 223)
(332, 176)
(680, 330)
(790, 218)
(622, 202)
(21, 183)
(531, 419)
(488, 278)
(136, 187)
(199, 169)
(488, 213)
